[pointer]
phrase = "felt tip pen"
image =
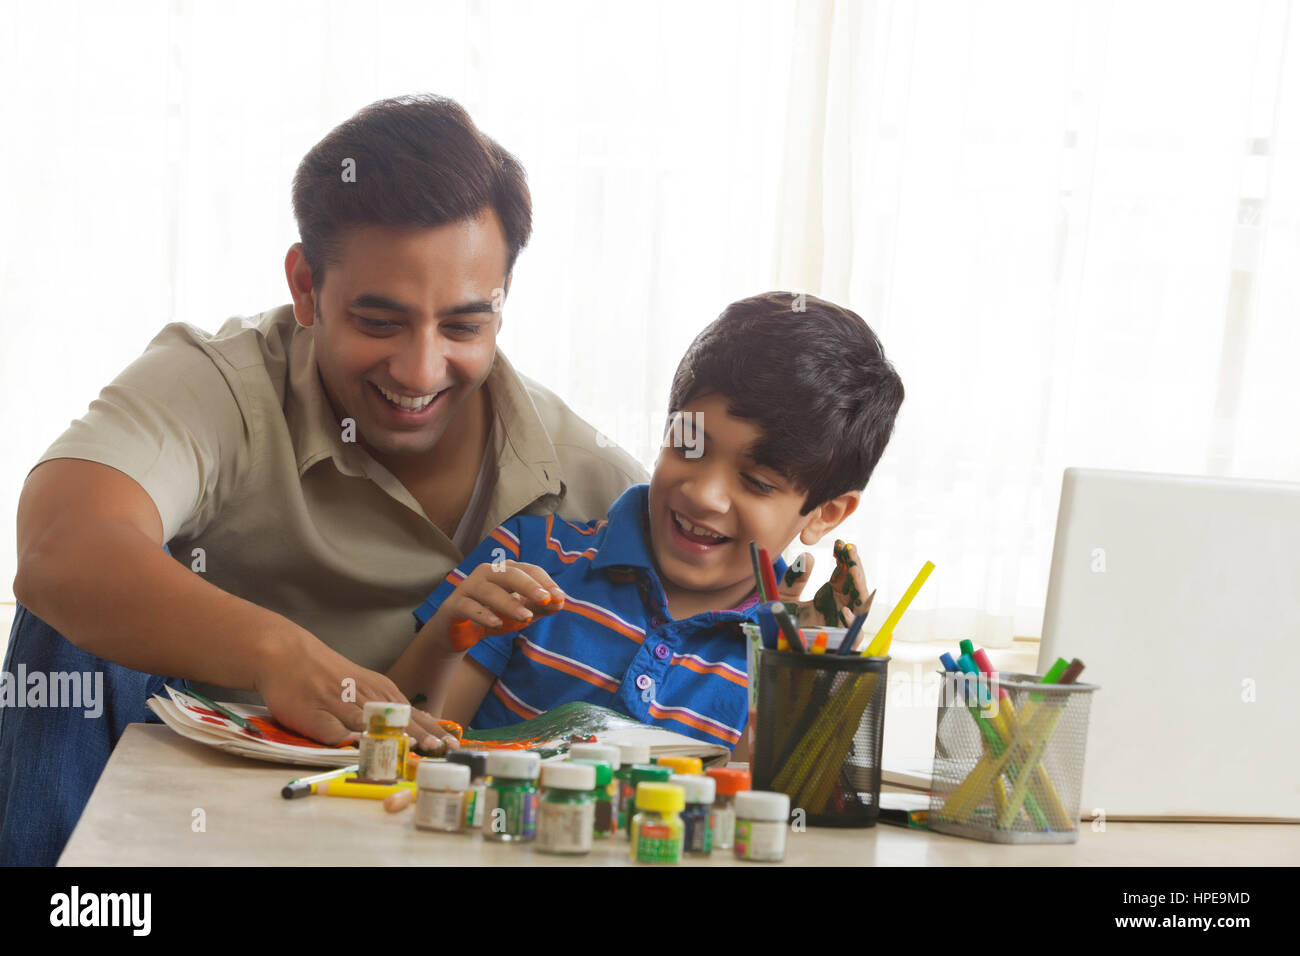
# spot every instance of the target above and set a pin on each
(305, 786)
(849, 644)
(768, 570)
(351, 787)
(788, 628)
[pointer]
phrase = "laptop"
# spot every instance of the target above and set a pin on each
(1181, 594)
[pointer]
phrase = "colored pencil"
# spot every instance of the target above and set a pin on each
(759, 586)
(879, 646)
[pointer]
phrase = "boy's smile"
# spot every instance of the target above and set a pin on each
(705, 509)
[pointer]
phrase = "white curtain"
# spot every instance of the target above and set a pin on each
(1073, 225)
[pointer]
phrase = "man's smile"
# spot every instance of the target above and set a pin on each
(408, 402)
(408, 410)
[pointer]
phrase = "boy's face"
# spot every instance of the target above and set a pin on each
(405, 327)
(709, 499)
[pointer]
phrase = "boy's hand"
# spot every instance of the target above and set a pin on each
(839, 600)
(494, 594)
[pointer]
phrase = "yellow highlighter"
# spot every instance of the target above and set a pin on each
(879, 645)
(351, 787)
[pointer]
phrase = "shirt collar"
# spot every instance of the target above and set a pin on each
(316, 432)
(521, 441)
(626, 542)
(522, 428)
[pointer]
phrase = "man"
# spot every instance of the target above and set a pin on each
(314, 472)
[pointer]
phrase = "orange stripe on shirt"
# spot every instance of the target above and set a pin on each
(511, 545)
(559, 664)
(717, 670)
(595, 529)
(512, 702)
(606, 618)
(552, 544)
(713, 730)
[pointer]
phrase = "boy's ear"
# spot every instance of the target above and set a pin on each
(828, 516)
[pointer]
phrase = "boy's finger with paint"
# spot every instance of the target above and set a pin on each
(499, 592)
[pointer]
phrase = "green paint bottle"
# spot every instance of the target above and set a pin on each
(639, 774)
(510, 808)
(657, 830)
(629, 756)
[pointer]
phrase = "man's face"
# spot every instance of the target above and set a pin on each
(406, 328)
(706, 485)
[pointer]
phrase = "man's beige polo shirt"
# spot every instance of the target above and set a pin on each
(234, 440)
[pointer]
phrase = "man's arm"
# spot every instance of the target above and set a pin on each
(91, 564)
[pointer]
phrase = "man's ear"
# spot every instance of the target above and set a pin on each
(828, 516)
(298, 273)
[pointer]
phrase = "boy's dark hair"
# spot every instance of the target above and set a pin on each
(815, 380)
(419, 161)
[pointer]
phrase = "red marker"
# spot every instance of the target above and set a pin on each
(769, 574)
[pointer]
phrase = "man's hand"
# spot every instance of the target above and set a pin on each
(318, 692)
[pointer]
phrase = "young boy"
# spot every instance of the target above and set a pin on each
(778, 416)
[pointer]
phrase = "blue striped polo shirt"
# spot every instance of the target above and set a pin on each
(614, 643)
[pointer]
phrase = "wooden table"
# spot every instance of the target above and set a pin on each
(143, 813)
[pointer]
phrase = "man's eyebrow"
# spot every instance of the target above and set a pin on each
(372, 300)
(469, 308)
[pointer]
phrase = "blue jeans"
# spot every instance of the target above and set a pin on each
(51, 756)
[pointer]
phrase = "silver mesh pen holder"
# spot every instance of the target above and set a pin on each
(1008, 758)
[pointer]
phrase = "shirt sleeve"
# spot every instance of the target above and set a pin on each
(504, 543)
(172, 422)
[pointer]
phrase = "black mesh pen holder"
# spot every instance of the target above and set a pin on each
(820, 726)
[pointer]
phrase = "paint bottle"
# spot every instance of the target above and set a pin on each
(603, 818)
(606, 752)
(682, 765)
(629, 756)
(476, 760)
(730, 781)
(610, 755)
(383, 742)
(440, 796)
(761, 822)
(510, 801)
(657, 830)
(566, 820)
(700, 790)
(641, 773)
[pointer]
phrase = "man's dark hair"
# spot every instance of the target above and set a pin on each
(419, 161)
(815, 380)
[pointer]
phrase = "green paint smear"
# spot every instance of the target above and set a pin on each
(824, 603)
(549, 734)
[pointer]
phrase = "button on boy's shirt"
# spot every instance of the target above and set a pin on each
(614, 643)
